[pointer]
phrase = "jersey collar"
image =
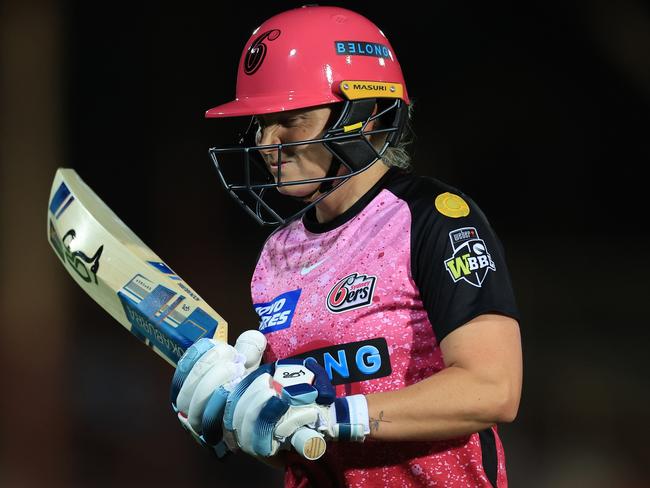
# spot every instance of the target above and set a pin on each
(315, 227)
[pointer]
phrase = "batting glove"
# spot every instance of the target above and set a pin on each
(209, 370)
(270, 404)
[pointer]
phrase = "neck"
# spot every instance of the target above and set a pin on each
(349, 192)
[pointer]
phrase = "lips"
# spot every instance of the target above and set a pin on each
(283, 163)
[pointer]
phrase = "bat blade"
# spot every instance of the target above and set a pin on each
(121, 273)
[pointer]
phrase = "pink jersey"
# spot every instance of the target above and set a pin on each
(370, 295)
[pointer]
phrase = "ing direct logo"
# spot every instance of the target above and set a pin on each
(471, 260)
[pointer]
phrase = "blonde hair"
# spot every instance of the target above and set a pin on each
(399, 155)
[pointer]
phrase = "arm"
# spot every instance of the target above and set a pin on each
(480, 387)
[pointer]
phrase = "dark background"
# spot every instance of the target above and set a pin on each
(538, 110)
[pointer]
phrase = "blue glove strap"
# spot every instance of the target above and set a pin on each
(239, 390)
(300, 394)
(211, 425)
(272, 411)
(343, 418)
(351, 418)
(322, 383)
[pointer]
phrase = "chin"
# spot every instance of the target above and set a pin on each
(298, 190)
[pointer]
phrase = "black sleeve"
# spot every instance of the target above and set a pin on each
(457, 262)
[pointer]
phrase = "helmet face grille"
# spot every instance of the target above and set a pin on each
(244, 174)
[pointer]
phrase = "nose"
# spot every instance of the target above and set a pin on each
(267, 136)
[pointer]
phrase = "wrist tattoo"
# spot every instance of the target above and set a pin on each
(374, 422)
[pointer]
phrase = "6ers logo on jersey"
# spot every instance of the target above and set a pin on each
(352, 292)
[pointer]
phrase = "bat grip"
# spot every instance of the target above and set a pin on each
(309, 443)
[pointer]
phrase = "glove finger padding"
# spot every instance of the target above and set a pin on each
(255, 424)
(233, 402)
(219, 354)
(220, 374)
(211, 424)
(185, 364)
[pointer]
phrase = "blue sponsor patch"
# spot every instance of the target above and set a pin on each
(360, 48)
(278, 313)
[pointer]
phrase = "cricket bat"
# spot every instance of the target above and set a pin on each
(121, 273)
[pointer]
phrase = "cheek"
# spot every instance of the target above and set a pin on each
(318, 156)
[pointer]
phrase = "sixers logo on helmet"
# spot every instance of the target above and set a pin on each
(352, 292)
(257, 52)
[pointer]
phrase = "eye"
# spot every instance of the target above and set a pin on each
(289, 121)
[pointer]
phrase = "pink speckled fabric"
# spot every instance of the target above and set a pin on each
(376, 243)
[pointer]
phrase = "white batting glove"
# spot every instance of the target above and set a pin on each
(345, 420)
(204, 376)
(269, 405)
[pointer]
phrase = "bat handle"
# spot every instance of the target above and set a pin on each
(309, 443)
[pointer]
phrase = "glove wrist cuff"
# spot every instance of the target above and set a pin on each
(351, 418)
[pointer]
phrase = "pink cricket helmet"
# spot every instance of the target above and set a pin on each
(303, 57)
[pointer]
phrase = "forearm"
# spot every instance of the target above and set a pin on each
(451, 403)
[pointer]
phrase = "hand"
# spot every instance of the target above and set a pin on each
(204, 376)
(277, 400)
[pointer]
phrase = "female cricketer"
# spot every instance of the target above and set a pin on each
(386, 292)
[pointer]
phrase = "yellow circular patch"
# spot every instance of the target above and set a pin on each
(452, 205)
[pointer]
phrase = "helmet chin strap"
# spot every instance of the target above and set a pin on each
(356, 153)
(328, 185)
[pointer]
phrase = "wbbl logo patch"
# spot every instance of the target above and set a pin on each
(471, 260)
(278, 313)
(353, 291)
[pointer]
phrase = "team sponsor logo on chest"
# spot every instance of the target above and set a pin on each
(354, 361)
(471, 260)
(278, 313)
(352, 292)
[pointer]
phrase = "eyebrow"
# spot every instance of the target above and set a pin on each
(281, 116)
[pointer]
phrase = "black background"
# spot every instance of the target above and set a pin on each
(538, 110)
